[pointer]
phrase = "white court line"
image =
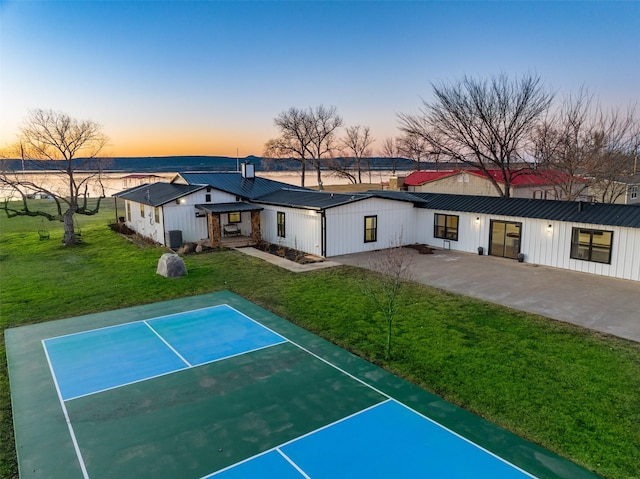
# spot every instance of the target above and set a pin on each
(295, 466)
(168, 345)
(85, 474)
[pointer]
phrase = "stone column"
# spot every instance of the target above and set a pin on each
(214, 230)
(256, 236)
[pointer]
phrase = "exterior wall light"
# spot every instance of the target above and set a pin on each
(549, 228)
(477, 220)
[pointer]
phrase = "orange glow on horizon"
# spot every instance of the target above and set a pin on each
(183, 145)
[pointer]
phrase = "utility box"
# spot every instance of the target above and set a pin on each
(174, 239)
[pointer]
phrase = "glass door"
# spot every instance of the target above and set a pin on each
(505, 239)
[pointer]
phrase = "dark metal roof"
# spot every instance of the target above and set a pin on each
(235, 183)
(157, 194)
(228, 207)
(310, 199)
(570, 211)
(398, 196)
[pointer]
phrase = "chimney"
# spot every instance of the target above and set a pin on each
(248, 171)
(396, 183)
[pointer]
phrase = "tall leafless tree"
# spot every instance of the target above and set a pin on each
(61, 146)
(483, 123)
(581, 139)
(294, 140)
(324, 123)
(306, 136)
(356, 143)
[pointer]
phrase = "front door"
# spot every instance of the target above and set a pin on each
(505, 239)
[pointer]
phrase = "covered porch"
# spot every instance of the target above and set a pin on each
(232, 224)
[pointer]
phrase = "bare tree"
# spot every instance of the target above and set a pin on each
(390, 149)
(394, 264)
(306, 136)
(62, 146)
(485, 124)
(294, 140)
(416, 148)
(582, 141)
(323, 125)
(357, 142)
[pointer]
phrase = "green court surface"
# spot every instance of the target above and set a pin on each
(249, 391)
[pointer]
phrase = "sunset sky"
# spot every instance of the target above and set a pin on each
(209, 77)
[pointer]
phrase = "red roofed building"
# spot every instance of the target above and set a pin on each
(539, 184)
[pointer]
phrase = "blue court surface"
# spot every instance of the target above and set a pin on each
(230, 390)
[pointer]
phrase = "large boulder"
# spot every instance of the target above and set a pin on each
(171, 266)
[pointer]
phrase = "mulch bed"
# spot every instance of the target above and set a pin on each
(421, 248)
(291, 254)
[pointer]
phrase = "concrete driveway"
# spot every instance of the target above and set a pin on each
(603, 304)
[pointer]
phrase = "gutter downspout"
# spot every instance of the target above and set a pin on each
(323, 234)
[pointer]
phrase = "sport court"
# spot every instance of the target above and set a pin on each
(214, 386)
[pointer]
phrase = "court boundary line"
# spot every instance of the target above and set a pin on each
(67, 419)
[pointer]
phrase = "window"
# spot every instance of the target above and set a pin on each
(128, 211)
(207, 198)
(591, 245)
(370, 229)
(141, 210)
(445, 226)
(156, 215)
(281, 229)
(234, 217)
(634, 192)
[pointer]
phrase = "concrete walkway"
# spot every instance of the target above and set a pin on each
(603, 304)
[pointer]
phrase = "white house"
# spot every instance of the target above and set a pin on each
(600, 239)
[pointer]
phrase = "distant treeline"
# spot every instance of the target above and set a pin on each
(188, 163)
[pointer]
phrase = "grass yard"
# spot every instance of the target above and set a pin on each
(570, 390)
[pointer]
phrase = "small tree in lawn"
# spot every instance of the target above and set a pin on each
(394, 265)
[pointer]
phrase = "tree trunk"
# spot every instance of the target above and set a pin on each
(70, 238)
(319, 177)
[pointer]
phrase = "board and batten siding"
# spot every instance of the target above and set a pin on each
(396, 221)
(144, 225)
(540, 244)
(303, 228)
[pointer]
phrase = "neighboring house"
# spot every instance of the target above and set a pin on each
(623, 191)
(599, 239)
(540, 184)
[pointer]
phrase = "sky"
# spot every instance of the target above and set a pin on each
(209, 77)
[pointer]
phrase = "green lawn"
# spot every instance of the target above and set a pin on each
(573, 391)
